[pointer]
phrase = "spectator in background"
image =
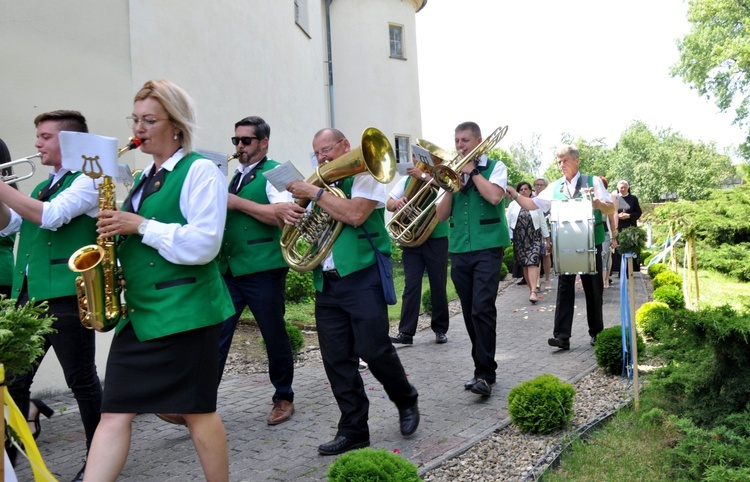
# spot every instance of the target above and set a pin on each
(628, 213)
(609, 244)
(540, 184)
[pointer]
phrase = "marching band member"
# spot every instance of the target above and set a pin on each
(478, 236)
(571, 186)
(56, 220)
(350, 310)
(165, 353)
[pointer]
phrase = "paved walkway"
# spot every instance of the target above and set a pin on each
(452, 419)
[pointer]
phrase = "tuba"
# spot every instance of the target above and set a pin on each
(98, 288)
(414, 222)
(306, 244)
(411, 225)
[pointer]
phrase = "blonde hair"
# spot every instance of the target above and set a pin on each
(178, 105)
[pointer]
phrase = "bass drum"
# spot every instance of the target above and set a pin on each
(572, 231)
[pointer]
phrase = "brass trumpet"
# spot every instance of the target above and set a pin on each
(99, 304)
(14, 178)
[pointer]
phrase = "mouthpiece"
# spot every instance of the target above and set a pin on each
(135, 142)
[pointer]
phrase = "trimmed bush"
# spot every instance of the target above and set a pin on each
(651, 317)
(667, 277)
(375, 465)
(670, 295)
(508, 259)
(655, 269)
(608, 349)
(296, 339)
(503, 271)
(541, 405)
(427, 301)
(299, 287)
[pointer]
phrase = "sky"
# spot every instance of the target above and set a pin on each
(589, 68)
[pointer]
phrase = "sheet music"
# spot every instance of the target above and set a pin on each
(422, 155)
(283, 174)
(124, 175)
(100, 153)
(218, 158)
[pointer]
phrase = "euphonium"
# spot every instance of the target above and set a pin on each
(411, 225)
(306, 244)
(99, 304)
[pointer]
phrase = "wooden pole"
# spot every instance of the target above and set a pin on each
(633, 332)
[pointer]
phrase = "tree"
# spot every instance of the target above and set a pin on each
(529, 159)
(715, 56)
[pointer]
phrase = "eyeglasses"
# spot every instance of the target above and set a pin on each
(539, 185)
(147, 123)
(328, 149)
(245, 140)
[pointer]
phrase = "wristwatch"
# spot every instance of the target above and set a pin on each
(474, 172)
(142, 227)
(423, 176)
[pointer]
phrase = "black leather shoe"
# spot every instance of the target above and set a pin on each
(79, 475)
(481, 387)
(522, 282)
(342, 444)
(403, 338)
(470, 383)
(408, 419)
(593, 340)
(440, 338)
(561, 344)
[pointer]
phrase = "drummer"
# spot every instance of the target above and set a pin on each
(574, 185)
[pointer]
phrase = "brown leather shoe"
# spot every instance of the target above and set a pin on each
(175, 418)
(281, 412)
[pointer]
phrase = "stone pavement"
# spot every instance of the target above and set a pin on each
(452, 419)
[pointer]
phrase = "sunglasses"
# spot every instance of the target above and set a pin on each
(245, 140)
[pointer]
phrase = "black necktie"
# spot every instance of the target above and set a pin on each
(234, 186)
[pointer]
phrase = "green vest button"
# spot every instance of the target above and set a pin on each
(132, 310)
(151, 264)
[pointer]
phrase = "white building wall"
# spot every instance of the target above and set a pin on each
(234, 58)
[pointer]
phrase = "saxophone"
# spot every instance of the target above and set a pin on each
(98, 288)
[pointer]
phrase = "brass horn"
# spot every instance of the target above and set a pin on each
(306, 244)
(413, 224)
(14, 178)
(97, 284)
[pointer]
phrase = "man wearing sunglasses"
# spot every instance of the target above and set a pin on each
(251, 262)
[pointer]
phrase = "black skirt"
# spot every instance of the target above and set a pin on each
(175, 374)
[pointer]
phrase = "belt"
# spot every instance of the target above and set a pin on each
(331, 274)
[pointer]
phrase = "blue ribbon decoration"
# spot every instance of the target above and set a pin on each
(625, 318)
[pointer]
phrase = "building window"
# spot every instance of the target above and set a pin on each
(300, 15)
(396, 34)
(402, 150)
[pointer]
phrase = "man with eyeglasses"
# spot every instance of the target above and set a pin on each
(56, 220)
(251, 262)
(350, 310)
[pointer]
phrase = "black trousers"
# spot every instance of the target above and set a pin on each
(75, 349)
(593, 286)
(352, 321)
(430, 256)
(263, 293)
(476, 276)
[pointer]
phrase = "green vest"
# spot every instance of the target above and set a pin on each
(441, 229)
(46, 252)
(165, 298)
(584, 181)
(476, 224)
(250, 246)
(351, 250)
(6, 259)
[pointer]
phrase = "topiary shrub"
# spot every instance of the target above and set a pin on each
(503, 271)
(541, 405)
(670, 295)
(647, 260)
(296, 339)
(655, 269)
(397, 254)
(508, 258)
(651, 317)
(608, 349)
(667, 277)
(427, 301)
(299, 287)
(22, 331)
(372, 465)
